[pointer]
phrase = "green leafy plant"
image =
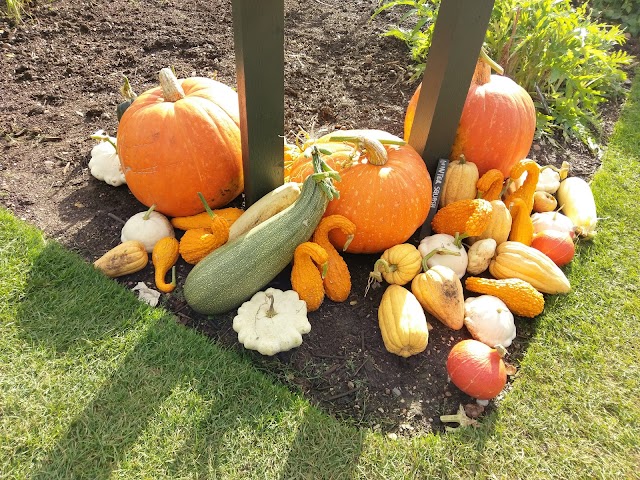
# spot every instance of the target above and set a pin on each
(624, 12)
(568, 62)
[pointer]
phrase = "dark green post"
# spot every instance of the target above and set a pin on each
(455, 47)
(259, 47)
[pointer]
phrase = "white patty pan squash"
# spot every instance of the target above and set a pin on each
(489, 320)
(272, 321)
(105, 163)
(446, 250)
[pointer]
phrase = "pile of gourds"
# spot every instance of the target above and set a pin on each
(516, 245)
(505, 225)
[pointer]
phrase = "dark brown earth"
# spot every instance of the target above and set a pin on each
(60, 75)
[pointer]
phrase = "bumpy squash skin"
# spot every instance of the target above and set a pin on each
(402, 322)
(306, 278)
(471, 217)
(203, 220)
(519, 296)
(337, 281)
(521, 227)
(234, 272)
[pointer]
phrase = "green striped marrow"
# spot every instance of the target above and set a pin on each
(234, 272)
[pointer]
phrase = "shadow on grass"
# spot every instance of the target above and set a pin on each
(166, 400)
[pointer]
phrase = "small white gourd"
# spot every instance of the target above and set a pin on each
(147, 227)
(104, 164)
(446, 250)
(480, 255)
(489, 320)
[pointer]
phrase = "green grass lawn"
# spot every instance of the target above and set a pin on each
(96, 385)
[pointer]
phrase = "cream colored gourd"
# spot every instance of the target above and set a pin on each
(444, 249)
(516, 260)
(440, 293)
(272, 321)
(265, 208)
(480, 255)
(576, 200)
(127, 257)
(402, 322)
(499, 226)
(489, 320)
(147, 227)
(459, 182)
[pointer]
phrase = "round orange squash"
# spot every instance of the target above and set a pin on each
(497, 124)
(385, 189)
(181, 138)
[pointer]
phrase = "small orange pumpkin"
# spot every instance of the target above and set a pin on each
(493, 100)
(181, 138)
(385, 188)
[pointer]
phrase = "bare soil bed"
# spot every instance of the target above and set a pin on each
(60, 75)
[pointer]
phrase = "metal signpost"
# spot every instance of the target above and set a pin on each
(259, 47)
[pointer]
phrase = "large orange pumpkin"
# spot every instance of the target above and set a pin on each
(179, 139)
(497, 124)
(385, 189)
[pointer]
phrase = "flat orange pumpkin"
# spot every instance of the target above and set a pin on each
(179, 139)
(387, 200)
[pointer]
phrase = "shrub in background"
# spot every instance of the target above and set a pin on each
(567, 61)
(624, 12)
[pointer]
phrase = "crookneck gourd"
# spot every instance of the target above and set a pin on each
(306, 277)
(337, 281)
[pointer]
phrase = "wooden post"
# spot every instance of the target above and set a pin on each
(455, 47)
(259, 48)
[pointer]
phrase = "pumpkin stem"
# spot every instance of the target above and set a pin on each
(171, 89)
(501, 350)
(457, 241)
(373, 146)
(271, 312)
(148, 212)
(377, 153)
(491, 62)
(206, 205)
(482, 73)
(382, 265)
(349, 138)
